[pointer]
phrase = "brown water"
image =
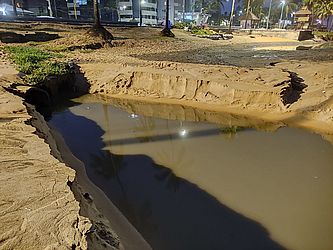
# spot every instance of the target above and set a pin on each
(199, 185)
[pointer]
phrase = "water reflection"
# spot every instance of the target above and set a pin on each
(203, 190)
(144, 129)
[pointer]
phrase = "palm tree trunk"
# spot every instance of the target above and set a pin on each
(97, 20)
(167, 31)
(231, 14)
(329, 23)
(269, 14)
(166, 27)
(14, 7)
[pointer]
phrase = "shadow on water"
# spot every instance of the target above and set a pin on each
(165, 137)
(170, 212)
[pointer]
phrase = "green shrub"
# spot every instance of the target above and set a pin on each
(46, 69)
(180, 25)
(35, 63)
(202, 32)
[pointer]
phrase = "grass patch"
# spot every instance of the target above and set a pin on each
(202, 32)
(35, 63)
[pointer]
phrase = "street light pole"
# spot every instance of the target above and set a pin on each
(283, 2)
(269, 14)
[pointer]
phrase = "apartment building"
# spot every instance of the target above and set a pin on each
(179, 10)
(134, 10)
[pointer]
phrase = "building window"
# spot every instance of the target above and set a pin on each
(148, 17)
(148, 8)
(125, 16)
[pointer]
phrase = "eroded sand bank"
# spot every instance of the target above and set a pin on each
(298, 94)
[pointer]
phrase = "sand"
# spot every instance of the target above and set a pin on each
(42, 200)
(291, 87)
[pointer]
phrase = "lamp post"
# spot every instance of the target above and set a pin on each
(283, 2)
(141, 2)
(269, 14)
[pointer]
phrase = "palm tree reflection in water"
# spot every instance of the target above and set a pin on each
(145, 129)
(109, 166)
(172, 157)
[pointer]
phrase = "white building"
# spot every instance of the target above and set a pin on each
(125, 11)
(131, 10)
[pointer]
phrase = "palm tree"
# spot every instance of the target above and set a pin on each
(309, 5)
(269, 13)
(291, 6)
(214, 8)
(247, 12)
(323, 9)
(97, 21)
(98, 30)
(167, 31)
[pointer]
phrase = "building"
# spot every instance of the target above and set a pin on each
(136, 10)
(180, 10)
(37, 7)
(7, 10)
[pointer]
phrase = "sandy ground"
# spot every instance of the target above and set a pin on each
(256, 76)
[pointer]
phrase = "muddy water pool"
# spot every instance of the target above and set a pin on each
(186, 183)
